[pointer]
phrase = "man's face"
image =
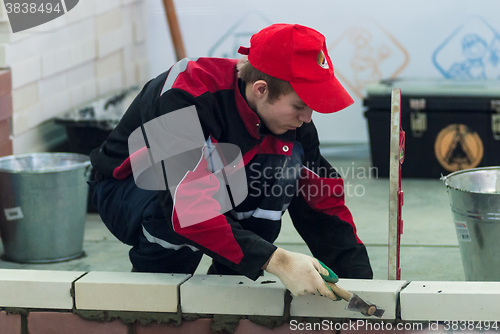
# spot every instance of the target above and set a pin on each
(288, 112)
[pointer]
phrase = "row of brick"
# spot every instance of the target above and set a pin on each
(146, 296)
(237, 295)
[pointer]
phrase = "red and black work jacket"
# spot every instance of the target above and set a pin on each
(243, 237)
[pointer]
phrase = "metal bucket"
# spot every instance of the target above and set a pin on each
(475, 203)
(43, 204)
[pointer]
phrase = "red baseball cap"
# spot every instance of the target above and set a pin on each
(298, 54)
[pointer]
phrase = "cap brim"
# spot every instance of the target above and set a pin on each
(324, 97)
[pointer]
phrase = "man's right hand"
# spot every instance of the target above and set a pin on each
(300, 273)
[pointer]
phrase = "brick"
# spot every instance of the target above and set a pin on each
(5, 82)
(37, 288)
(68, 57)
(199, 326)
(108, 21)
(109, 64)
(211, 294)
(82, 93)
(437, 300)
(55, 105)
(129, 73)
(27, 118)
(26, 71)
(128, 291)
(139, 31)
(383, 293)
(6, 109)
(110, 83)
(104, 6)
(142, 71)
(80, 74)
(6, 148)
(20, 123)
(83, 10)
(110, 42)
(53, 85)
(10, 323)
(140, 51)
(64, 323)
(248, 327)
(24, 96)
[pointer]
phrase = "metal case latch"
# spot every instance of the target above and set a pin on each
(495, 119)
(418, 119)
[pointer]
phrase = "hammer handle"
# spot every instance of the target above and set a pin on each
(344, 294)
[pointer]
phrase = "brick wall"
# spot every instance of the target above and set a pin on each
(97, 47)
(62, 302)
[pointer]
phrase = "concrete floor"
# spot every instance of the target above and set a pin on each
(429, 244)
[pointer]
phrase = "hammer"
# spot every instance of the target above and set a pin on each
(355, 303)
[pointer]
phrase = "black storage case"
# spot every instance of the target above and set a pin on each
(449, 125)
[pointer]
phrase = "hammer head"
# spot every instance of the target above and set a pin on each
(357, 304)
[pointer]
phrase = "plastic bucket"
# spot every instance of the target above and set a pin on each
(43, 205)
(475, 204)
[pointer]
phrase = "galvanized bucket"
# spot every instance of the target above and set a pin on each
(43, 204)
(475, 204)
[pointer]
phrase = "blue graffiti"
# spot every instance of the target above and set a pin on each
(479, 57)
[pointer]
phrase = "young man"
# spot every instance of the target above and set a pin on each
(225, 147)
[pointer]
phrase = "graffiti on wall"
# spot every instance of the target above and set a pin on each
(472, 51)
(367, 53)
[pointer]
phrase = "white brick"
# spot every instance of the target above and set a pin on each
(25, 96)
(110, 83)
(3, 13)
(53, 85)
(84, 9)
(477, 301)
(104, 6)
(129, 73)
(384, 294)
(55, 61)
(20, 123)
(108, 21)
(109, 64)
(25, 71)
(42, 138)
(139, 31)
(80, 74)
(82, 93)
(37, 288)
(22, 50)
(142, 71)
(115, 291)
(27, 118)
(55, 104)
(214, 294)
(110, 42)
(83, 52)
(141, 51)
(68, 57)
(127, 2)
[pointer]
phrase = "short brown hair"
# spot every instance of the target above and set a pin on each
(250, 74)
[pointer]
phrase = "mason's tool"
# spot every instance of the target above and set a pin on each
(355, 303)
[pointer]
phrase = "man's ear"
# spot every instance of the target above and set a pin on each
(259, 89)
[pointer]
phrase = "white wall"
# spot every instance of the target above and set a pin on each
(97, 47)
(404, 38)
